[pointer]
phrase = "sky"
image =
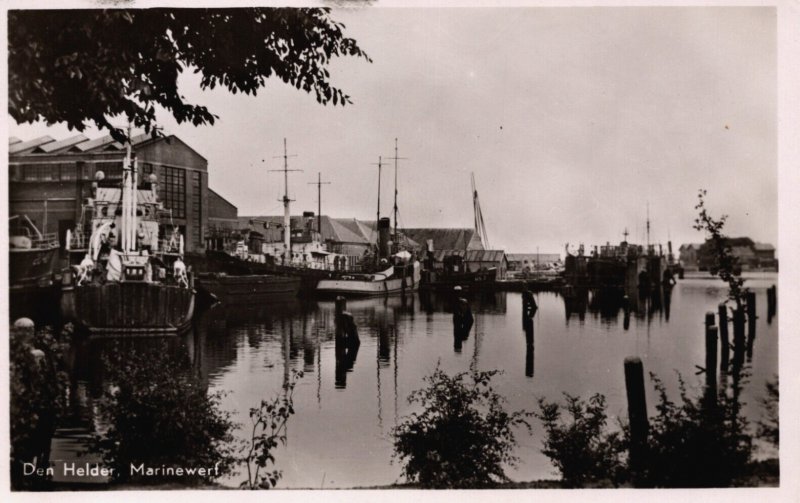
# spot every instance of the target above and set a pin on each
(574, 122)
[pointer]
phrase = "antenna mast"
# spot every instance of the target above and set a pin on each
(319, 183)
(287, 219)
(648, 226)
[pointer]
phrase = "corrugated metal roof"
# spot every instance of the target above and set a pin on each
(471, 255)
(25, 145)
(92, 144)
(443, 239)
(533, 257)
(51, 147)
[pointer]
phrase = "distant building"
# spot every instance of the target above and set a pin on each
(446, 239)
(346, 236)
(687, 255)
(528, 262)
(222, 231)
(474, 260)
(750, 255)
(49, 180)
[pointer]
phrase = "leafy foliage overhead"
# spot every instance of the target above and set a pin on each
(83, 66)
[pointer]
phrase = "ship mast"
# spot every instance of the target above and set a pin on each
(128, 224)
(380, 165)
(287, 218)
(648, 227)
(396, 158)
(319, 183)
(480, 227)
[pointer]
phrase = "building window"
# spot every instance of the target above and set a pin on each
(197, 199)
(69, 171)
(40, 172)
(175, 191)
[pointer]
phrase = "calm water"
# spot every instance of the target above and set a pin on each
(340, 435)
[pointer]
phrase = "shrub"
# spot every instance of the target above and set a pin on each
(462, 438)
(269, 427)
(696, 443)
(580, 448)
(38, 384)
(159, 413)
(768, 426)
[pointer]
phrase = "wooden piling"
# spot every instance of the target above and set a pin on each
(637, 412)
(722, 311)
(771, 301)
(751, 314)
(710, 319)
(340, 307)
(711, 358)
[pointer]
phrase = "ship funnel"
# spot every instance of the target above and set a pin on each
(384, 229)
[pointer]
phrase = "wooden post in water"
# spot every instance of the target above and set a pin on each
(751, 314)
(711, 360)
(341, 306)
(771, 302)
(637, 413)
(710, 319)
(725, 347)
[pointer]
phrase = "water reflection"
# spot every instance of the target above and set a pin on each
(347, 402)
(607, 305)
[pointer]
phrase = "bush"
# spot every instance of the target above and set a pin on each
(159, 413)
(768, 426)
(269, 427)
(581, 450)
(696, 443)
(38, 384)
(462, 438)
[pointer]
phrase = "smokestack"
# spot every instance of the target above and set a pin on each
(384, 230)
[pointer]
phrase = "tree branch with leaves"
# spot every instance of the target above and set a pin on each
(83, 66)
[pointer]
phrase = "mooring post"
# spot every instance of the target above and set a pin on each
(710, 319)
(350, 329)
(771, 304)
(340, 307)
(711, 358)
(722, 311)
(751, 314)
(637, 413)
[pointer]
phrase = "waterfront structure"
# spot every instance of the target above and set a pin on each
(50, 179)
(446, 238)
(751, 255)
(530, 262)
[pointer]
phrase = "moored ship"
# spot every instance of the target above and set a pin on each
(32, 255)
(127, 278)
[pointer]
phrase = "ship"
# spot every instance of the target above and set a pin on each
(248, 288)
(128, 277)
(455, 271)
(396, 270)
(32, 256)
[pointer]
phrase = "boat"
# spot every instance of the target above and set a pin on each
(395, 268)
(281, 250)
(400, 278)
(248, 288)
(32, 256)
(455, 270)
(128, 277)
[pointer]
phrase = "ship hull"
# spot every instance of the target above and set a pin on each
(31, 269)
(129, 308)
(367, 288)
(249, 288)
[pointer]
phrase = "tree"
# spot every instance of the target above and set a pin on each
(463, 436)
(726, 264)
(84, 66)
